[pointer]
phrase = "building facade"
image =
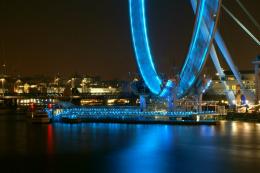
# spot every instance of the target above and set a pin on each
(217, 91)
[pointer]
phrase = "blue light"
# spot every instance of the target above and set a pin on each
(200, 45)
(141, 46)
(197, 54)
(167, 90)
(115, 113)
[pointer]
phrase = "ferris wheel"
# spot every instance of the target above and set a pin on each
(204, 32)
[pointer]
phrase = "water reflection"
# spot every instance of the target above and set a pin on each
(208, 130)
(136, 148)
(258, 126)
(146, 152)
(50, 140)
(234, 128)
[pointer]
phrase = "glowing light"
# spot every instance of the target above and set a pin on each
(200, 45)
(114, 113)
(197, 53)
(50, 140)
(141, 46)
(99, 91)
(167, 89)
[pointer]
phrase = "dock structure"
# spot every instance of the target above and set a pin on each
(133, 116)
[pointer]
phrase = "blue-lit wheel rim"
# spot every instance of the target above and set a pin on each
(204, 30)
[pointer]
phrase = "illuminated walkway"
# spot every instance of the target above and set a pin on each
(130, 115)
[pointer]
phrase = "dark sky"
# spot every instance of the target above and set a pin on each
(93, 36)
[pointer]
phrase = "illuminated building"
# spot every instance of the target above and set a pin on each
(257, 78)
(217, 91)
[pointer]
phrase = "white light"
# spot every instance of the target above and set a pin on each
(198, 118)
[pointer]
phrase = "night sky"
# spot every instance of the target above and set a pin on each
(93, 36)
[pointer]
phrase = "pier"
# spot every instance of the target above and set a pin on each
(132, 115)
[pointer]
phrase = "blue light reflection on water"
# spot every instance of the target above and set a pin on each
(134, 148)
(146, 154)
(143, 148)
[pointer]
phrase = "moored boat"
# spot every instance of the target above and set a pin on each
(40, 117)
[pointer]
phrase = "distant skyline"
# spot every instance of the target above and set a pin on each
(93, 37)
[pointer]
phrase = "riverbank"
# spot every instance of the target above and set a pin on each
(231, 116)
(246, 117)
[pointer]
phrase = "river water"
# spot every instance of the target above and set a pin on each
(122, 148)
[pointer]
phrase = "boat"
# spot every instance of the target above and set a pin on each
(40, 117)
